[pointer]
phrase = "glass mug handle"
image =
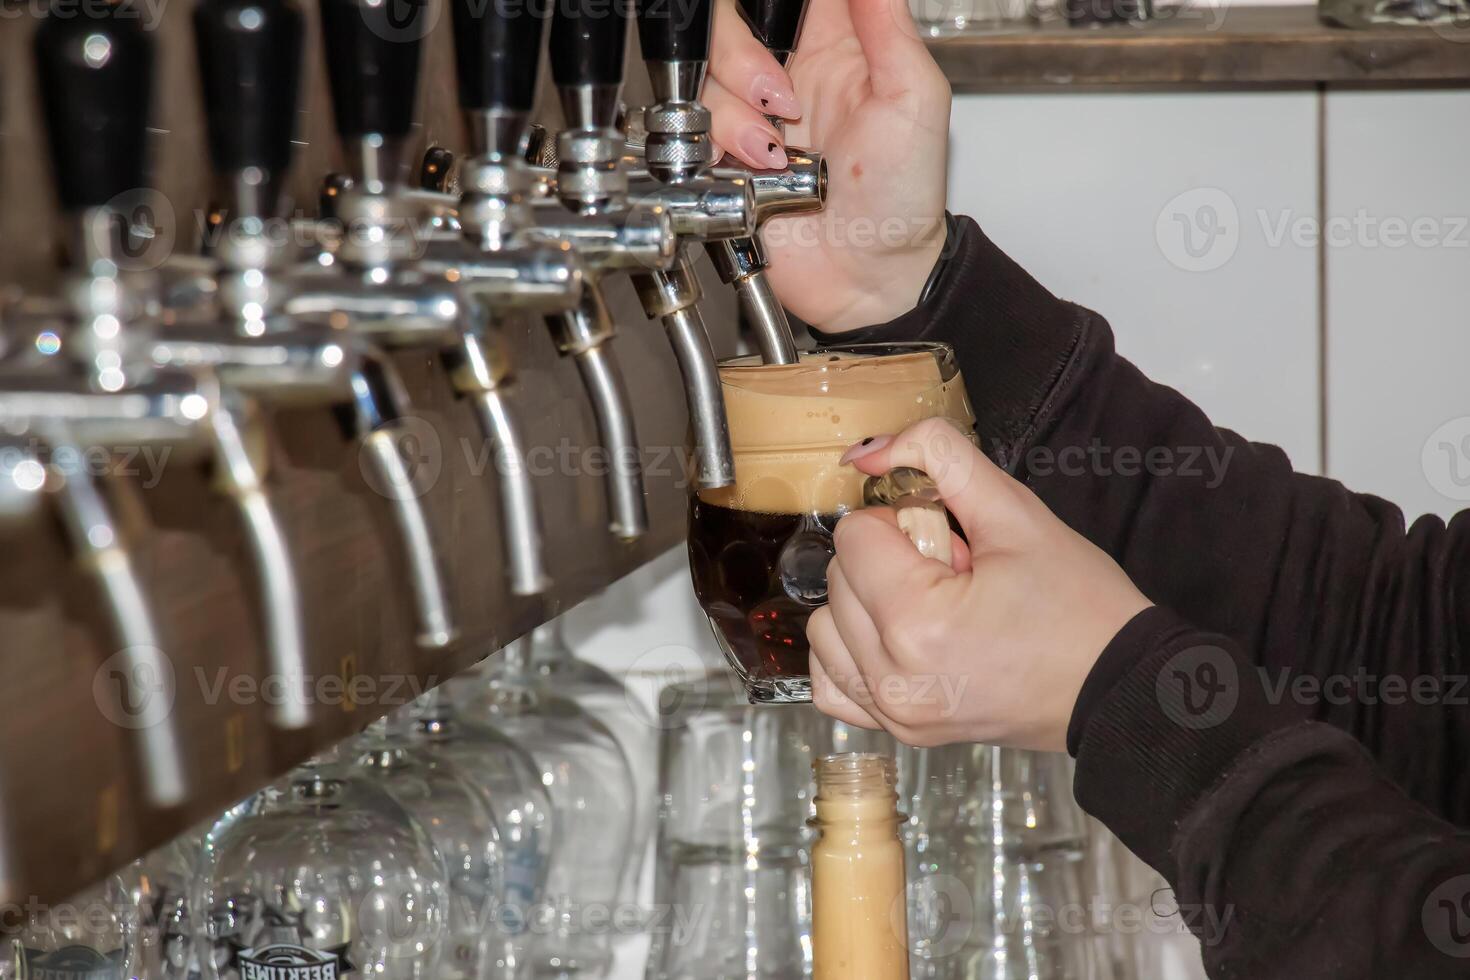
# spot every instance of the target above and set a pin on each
(915, 498)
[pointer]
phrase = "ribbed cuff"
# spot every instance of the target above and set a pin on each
(1014, 339)
(1161, 718)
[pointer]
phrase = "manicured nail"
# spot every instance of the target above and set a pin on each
(774, 95)
(762, 147)
(867, 447)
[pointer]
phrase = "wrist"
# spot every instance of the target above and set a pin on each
(902, 281)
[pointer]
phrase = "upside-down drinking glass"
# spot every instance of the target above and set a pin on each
(322, 873)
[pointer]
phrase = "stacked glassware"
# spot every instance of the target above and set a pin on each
(486, 832)
(591, 789)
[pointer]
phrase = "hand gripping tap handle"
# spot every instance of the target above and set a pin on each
(95, 78)
(372, 54)
(250, 67)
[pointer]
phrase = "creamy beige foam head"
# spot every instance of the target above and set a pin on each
(790, 424)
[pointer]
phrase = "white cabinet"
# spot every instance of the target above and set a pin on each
(1162, 212)
(1398, 296)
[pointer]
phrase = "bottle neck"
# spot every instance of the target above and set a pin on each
(856, 796)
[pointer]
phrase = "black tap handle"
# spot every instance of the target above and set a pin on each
(588, 41)
(670, 30)
(373, 63)
(95, 74)
(250, 66)
(498, 54)
(776, 23)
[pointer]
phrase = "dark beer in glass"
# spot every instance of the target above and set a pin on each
(759, 549)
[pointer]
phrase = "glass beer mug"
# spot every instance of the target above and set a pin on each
(759, 549)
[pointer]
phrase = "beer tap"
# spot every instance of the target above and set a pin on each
(587, 65)
(800, 188)
(497, 60)
(249, 61)
(388, 289)
(78, 383)
(678, 152)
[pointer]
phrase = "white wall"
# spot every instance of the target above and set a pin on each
(1398, 302)
(1147, 208)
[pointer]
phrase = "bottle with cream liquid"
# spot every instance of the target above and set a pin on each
(859, 915)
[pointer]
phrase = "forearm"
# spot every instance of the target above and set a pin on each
(1253, 813)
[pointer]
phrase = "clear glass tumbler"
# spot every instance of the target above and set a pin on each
(159, 884)
(456, 812)
(758, 550)
(518, 798)
(591, 790)
(609, 700)
(733, 872)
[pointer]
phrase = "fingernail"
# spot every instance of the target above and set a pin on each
(762, 147)
(775, 97)
(867, 447)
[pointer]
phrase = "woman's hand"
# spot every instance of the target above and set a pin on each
(993, 649)
(863, 91)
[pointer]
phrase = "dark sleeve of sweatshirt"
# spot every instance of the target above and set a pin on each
(1286, 735)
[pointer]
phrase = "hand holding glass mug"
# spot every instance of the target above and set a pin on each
(759, 549)
(991, 648)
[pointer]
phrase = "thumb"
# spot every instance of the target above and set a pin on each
(897, 57)
(977, 492)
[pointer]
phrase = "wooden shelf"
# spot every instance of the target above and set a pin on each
(1201, 45)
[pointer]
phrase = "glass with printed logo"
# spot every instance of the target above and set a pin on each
(758, 549)
(320, 877)
(93, 936)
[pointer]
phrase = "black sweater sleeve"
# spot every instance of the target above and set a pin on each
(1297, 767)
(1291, 853)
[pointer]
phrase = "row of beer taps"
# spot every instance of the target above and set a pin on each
(185, 354)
